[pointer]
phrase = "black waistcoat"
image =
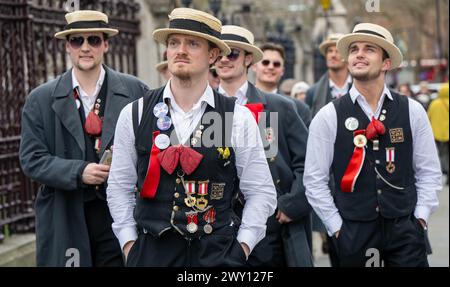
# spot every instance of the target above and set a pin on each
(372, 195)
(168, 209)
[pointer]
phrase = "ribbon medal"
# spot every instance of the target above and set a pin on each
(390, 159)
(202, 202)
(190, 200)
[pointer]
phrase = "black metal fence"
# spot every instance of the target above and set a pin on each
(30, 56)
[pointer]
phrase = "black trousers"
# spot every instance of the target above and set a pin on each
(398, 242)
(219, 249)
(105, 248)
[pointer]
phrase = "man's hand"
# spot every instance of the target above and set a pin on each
(282, 218)
(336, 234)
(95, 174)
(423, 223)
(127, 248)
(246, 249)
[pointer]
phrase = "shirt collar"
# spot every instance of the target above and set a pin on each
(76, 84)
(207, 97)
(348, 82)
(355, 94)
(241, 93)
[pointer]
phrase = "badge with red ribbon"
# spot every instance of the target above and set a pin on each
(360, 137)
(192, 222)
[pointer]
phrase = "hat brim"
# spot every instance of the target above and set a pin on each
(393, 51)
(109, 31)
(324, 46)
(160, 66)
(255, 51)
(160, 36)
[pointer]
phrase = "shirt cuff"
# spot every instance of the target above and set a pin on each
(422, 212)
(333, 224)
(247, 237)
(125, 235)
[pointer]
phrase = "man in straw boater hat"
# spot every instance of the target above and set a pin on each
(379, 146)
(67, 132)
(336, 82)
(182, 213)
(286, 242)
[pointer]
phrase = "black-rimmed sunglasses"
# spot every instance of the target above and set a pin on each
(93, 41)
(234, 55)
(276, 64)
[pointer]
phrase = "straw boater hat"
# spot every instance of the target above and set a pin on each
(367, 32)
(195, 23)
(242, 38)
(163, 64)
(86, 21)
(331, 40)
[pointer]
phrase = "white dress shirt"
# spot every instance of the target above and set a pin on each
(241, 94)
(88, 100)
(252, 169)
(320, 153)
(336, 91)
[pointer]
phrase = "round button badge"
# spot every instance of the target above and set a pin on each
(160, 110)
(164, 123)
(351, 124)
(162, 141)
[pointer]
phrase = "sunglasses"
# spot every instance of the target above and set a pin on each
(276, 64)
(93, 41)
(234, 55)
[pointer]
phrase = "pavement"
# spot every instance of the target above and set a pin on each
(438, 232)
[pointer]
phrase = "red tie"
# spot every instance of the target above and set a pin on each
(151, 181)
(255, 109)
(93, 125)
(374, 129)
(188, 158)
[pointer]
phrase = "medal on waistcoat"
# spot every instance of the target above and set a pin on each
(192, 221)
(202, 202)
(390, 159)
(210, 218)
(190, 200)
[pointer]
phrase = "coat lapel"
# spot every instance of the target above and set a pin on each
(118, 98)
(65, 109)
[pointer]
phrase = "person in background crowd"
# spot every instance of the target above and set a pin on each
(286, 86)
(405, 89)
(438, 113)
(269, 72)
(286, 242)
(423, 96)
(299, 91)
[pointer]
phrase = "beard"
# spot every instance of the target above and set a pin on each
(366, 76)
(185, 77)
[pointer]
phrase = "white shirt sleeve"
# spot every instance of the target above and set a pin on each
(319, 157)
(426, 166)
(256, 181)
(122, 179)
